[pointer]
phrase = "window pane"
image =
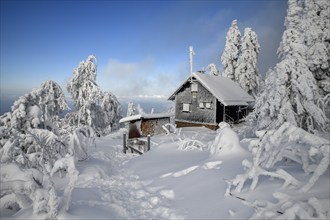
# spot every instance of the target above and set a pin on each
(186, 107)
(194, 87)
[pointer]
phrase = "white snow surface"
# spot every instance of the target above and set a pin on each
(169, 183)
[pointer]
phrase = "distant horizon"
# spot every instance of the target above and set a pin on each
(159, 105)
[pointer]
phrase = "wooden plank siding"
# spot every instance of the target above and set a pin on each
(153, 126)
(198, 116)
(145, 126)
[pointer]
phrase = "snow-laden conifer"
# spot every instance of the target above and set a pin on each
(292, 94)
(287, 112)
(212, 69)
(246, 73)
(131, 110)
(316, 27)
(230, 54)
(94, 108)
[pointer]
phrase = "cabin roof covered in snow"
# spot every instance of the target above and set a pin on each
(224, 89)
(145, 116)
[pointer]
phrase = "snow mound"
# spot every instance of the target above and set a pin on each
(226, 142)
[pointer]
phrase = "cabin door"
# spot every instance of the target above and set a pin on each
(220, 111)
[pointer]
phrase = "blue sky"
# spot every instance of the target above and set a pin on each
(141, 46)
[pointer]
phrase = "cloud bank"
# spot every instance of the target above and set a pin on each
(140, 79)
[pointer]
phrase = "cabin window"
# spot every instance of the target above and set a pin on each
(194, 87)
(194, 94)
(185, 107)
(208, 105)
(201, 105)
(194, 90)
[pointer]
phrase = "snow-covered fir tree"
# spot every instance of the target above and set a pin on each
(316, 27)
(230, 54)
(246, 73)
(291, 93)
(94, 108)
(140, 110)
(131, 110)
(112, 111)
(212, 69)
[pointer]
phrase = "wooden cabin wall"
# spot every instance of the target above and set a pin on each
(196, 114)
(153, 126)
(134, 130)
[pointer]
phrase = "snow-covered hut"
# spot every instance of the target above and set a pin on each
(206, 100)
(143, 125)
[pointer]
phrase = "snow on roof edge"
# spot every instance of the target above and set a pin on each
(145, 116)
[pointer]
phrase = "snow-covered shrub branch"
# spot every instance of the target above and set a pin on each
(67, 163)
(22, 186)
(184, 143)
(81, 140)
(286, 143)
(254, 171)
(291, 207)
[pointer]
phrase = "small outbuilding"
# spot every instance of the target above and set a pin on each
(206, 100)
(140, 128)
(143, 125)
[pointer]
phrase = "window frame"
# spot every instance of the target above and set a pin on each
(185, 107)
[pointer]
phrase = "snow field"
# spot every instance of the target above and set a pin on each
(170, 183)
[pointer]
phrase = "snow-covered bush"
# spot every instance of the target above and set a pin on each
(94, 108)
(37, 109)
(32, 140)
(226, 141)
(68, 164)
(81, 141)
(21, 187)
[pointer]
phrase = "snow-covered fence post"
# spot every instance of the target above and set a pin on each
(124, 143)
(148, 140)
